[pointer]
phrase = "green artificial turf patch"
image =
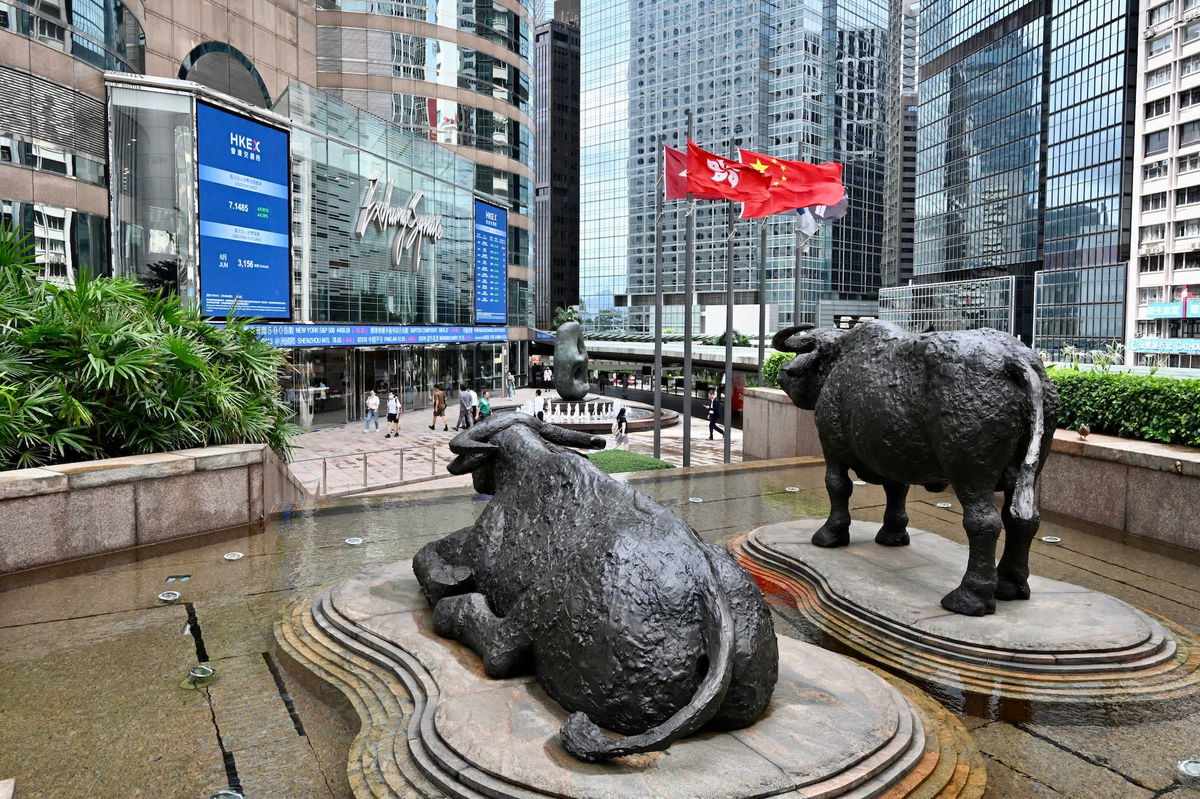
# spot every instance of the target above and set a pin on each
(618, 461)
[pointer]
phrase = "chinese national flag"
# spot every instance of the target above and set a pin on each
(677, 176)
(712, 175)
(793, 184)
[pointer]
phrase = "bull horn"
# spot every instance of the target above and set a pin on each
(780, 339)
(569, 438)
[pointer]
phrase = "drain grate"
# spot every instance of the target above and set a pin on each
(179, 578)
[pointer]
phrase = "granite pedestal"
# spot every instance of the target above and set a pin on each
(433, 724)
(1065, 645)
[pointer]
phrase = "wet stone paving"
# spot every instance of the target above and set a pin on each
(95, 700)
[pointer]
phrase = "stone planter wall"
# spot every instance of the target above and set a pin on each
(1151, 490)
(76, 510)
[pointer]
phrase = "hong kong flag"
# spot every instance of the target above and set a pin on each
(676, 176)
(709, 174)
(793, 184)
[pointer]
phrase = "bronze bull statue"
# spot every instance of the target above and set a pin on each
(971, 409)
(626, 616)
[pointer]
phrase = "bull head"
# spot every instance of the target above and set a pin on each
(475, 453)
(803, 377)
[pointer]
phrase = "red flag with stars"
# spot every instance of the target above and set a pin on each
(793, 184)
(677, 176)
(712, 175)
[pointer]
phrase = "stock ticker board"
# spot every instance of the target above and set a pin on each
(245, 247)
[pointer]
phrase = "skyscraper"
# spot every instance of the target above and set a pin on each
(556, 192)
(793, 81)
(1024, 176)
(901, 174)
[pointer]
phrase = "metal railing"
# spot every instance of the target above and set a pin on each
(384, 456)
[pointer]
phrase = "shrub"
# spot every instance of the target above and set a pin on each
(618, 461)
(774, 362)
(1145, 407)
(108, 368)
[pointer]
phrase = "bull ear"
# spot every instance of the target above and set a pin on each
(789, 340)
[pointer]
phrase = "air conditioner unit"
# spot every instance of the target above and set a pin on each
(1191, 15)
(1148, 33)
(1195, 245)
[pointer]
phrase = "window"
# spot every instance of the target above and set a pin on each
(1151, 263)
(1154, 202)
(1149, 294)
(1156, 108)
(1157, 141)
(1155, 169)
(1161, 44)
(1192, 32)
(1188, 196)
(1189, 162)
(1187, 228)
(1152, 233)
(1157, 77)
(1189, 98)
(1189, 65)
(1160, 13)
(1189, 133)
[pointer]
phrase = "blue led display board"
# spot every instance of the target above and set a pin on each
(366, 335)
(491, 264)
(245, 247)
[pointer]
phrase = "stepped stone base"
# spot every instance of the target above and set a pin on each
(432, 724)
(1065, 646)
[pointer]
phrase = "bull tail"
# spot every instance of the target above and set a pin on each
(1023, 489)
(586, 741)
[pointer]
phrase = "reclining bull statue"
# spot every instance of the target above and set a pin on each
(972, 409)
(628, 619)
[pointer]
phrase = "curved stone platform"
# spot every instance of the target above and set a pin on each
(1066, 645)
(433, 724)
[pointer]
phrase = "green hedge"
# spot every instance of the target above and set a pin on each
(775, 361)
(1145, 407)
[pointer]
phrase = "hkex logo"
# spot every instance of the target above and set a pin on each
(245, 147)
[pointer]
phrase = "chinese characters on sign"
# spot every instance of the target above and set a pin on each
(245, 248)
(364, 335)
(491, 264)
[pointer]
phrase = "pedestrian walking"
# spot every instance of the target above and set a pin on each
(485, 405)
(714, 414)
(539, 406)
(474, 405)
(511, 383)
(439, 408)
(464, 408)
(393, 415)
(372, 412)
(620, 428)
(548, 376)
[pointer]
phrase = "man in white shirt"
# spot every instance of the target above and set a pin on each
(393, 415)
(372, 412)
(474, 405)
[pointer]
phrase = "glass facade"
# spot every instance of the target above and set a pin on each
(801, 81)
(960, 305)
(1023, 157)
(64, 240)
(102, 33)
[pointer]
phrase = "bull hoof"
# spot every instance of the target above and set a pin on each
(445, 617)
(1007, 589)
(825, 537)
(889, 537)
(960, 600)
(582, 738)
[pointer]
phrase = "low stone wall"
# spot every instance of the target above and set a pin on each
(1139, 487)
(75, 510)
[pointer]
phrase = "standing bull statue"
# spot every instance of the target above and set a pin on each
(627, 617)
(972, 409)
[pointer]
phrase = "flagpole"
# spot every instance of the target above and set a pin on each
(688, 287)
(727, 405)
(762, 296)
(796, 253)
(658, 296)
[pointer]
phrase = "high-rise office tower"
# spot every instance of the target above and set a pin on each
(796, 81)
(901, 173)
(461, 78)
(1164, 285)
(556, 192)
(1023, 174)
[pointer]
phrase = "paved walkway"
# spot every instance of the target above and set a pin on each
(419, 455)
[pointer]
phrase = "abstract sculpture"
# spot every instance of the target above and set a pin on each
(626, 616)
(570, 362)
(972, 409)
